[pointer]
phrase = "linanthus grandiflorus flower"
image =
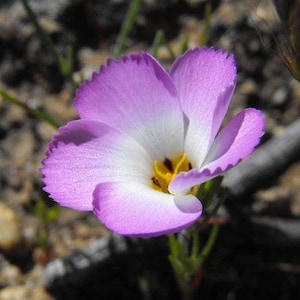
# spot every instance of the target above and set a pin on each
(146, 139)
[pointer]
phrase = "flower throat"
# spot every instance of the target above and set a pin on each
(166, 170)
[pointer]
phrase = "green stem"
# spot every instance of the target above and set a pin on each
(126, 27)
(206, 25)
(186, 267)
(184, 45)
(209, 244)
(179, 262)
(186, 255)
(196, 244)
(160, 39)
(33, 111)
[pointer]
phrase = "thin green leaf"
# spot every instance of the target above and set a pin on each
(175, 247)
(206, 25)
(184, 45)
(33, 111)
(52, 213)
(159, 40)
(126, 27)
(209, 244)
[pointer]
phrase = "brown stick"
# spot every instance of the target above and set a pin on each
(266, 164)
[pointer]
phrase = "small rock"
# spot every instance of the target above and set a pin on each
(40, 294)
(275, 201)
(45, 131)
(16, 292)
(50, 26)
(248, 87)
(16, 114)
(296, 206)
(19, 145)
(280, 97)
(11, 275)
(57, 106)
(10, 230)
(22, 292)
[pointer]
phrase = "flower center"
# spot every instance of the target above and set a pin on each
(165, 171)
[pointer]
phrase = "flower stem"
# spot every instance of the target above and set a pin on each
(210, 243)
(188, 267)
(186, 255)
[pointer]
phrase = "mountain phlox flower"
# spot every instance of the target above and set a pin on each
(146, 139)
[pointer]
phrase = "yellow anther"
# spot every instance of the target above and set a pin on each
(157, 170)
(165, 171)
(169, 177)
(180, 163)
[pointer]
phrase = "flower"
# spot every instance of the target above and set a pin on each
(147, 138)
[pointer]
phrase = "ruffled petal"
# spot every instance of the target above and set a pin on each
(85, 153)
(186, 180)
(133, 209)
(205, 80)
(137, 96)
(234, 143)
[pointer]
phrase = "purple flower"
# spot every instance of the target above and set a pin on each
(146, 139)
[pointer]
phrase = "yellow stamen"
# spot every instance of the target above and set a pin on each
(182, 160)
(165, 171)
(169, 177)
(157, 171)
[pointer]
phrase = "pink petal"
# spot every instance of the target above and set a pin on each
(136, 95)
(187, 203)
(85, 153)
(133, 209)
(205, 80)
(234, 143)
(237, 140)
(186, 180)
